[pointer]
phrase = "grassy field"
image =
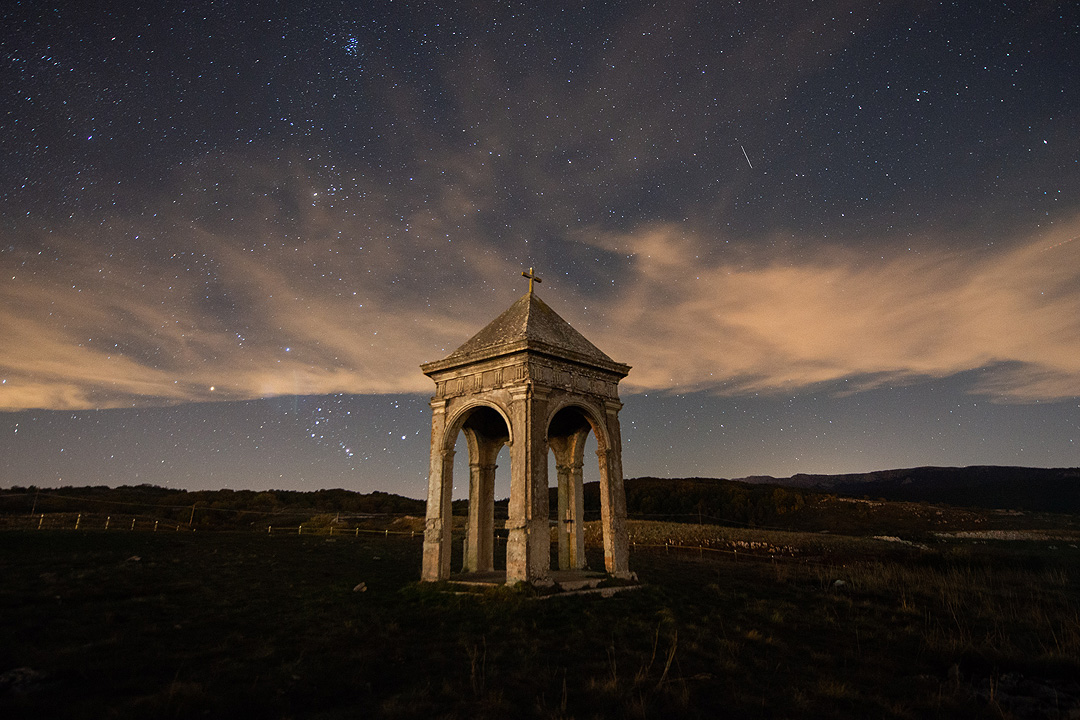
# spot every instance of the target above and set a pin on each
(753, 624)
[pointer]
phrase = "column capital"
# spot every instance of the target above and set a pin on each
(529, 390)
(612, 406)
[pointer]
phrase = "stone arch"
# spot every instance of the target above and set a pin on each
(461, 415)
(591, 412)
(487, 429)
(569, 425)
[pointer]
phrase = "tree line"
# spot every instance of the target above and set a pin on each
(689, 500)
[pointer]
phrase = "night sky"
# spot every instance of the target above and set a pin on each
(828, 236)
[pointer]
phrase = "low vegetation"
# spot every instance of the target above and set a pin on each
(690, 501)
(729, 621)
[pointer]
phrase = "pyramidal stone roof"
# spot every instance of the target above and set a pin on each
(528, 324)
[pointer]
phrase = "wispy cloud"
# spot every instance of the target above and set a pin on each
(783, 324)
(85, 329)
(112, 332)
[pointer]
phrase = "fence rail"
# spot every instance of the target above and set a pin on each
(334, 531)
(101, 522)
(749, 551)
(87, 521)
(90, 521)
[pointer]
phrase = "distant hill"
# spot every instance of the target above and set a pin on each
(696, 500)
(847, 503)
(217, 509)
(802, 501)
(983, 486)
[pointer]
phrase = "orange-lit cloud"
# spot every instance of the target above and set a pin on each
(110, 331)
(846, 315)
(107, 332)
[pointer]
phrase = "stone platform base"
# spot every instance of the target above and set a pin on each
(563, 582)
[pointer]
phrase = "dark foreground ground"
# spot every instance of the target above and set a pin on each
(176, 625)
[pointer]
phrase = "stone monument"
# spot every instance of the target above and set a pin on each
(530, 381)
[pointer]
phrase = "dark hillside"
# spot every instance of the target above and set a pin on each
(984, 486)
(208, 509)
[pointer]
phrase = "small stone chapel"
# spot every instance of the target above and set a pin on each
(530, 381)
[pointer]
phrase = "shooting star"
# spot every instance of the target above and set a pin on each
(747, 157)
(1063, 242)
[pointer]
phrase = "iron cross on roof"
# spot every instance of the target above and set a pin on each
(531, 277)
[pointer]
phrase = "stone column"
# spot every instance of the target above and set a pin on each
(438, 521)
(613, 498)
(539, 526)
(517, 536)
(570, 520)
(564, 519)
(528, 546)
(576, 521)
(480, 535)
